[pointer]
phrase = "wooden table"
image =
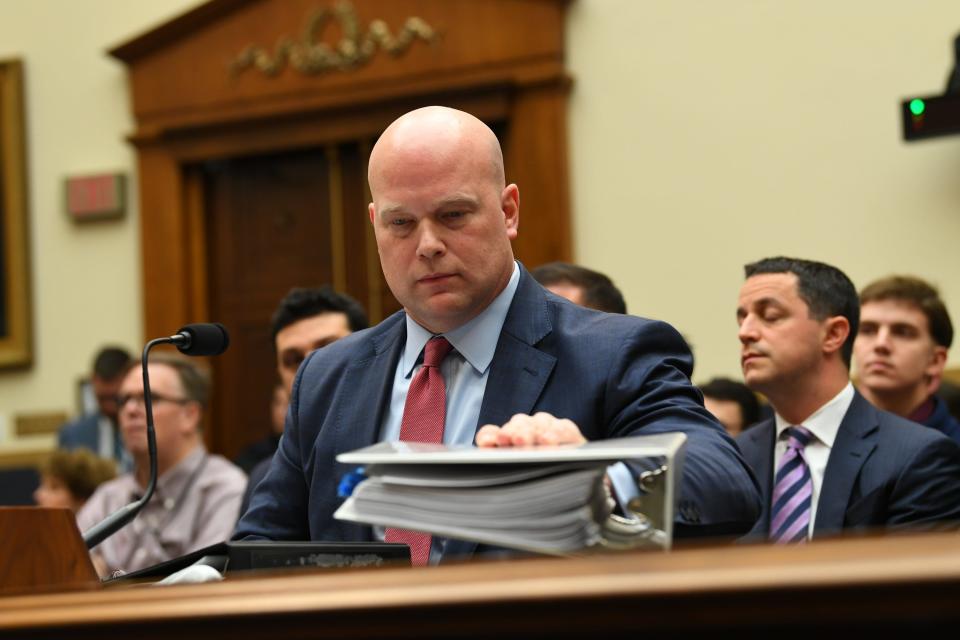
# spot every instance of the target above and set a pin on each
(892, 583)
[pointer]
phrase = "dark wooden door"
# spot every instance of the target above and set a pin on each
(274, 222)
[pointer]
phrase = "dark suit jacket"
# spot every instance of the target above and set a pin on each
(942, 420)
(613, 375)
(85, 432)
(256, 474)
(82, 432)
(883, 471)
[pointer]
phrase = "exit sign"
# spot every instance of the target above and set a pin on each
(96, 197)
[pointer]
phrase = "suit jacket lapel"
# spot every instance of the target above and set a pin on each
(361, 414)
(519, 371)
(856, 438)
(358, 423)
(758, 452)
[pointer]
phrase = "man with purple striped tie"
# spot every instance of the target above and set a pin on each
(829, 461)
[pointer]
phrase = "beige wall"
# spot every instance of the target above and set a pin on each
(708, 134)
(86, 278)
(703, 135)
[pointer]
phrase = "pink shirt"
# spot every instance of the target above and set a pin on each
(196, 504)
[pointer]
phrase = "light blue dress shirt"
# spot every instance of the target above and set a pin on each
(465, 370)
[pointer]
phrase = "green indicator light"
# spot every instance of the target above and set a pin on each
(917, 107)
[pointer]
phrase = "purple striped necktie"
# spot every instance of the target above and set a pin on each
(424, 415)
(792, 491)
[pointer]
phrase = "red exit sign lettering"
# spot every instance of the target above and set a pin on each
(95, 197)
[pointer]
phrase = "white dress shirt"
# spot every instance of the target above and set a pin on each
(823, 424)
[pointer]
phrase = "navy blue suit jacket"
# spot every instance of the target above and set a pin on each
(942, 420)
(82, 432)
(85, 432)
(883, 471)
(613, 375)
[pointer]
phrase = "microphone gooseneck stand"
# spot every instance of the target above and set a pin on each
(115, 521)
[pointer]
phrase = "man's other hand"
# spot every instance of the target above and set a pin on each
(540, 429)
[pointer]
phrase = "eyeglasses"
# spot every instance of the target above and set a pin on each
(137, 398)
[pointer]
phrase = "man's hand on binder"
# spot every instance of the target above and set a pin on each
(522, 430)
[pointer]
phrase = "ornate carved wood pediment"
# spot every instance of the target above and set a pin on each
(237, 59)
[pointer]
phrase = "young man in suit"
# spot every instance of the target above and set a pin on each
(901, 350)
(829, 461)
(479, 342)
(99, 431)
(306, 319)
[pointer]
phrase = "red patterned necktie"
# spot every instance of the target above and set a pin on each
(424, 414)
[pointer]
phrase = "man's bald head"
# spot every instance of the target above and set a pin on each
(440, 134)
(442, 215)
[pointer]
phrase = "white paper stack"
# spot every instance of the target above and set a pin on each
(547, 500)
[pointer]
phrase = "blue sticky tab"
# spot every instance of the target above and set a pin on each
(350, 481)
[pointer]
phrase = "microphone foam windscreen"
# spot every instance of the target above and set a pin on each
(206, 339)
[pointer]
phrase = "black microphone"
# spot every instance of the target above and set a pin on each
(201, 339)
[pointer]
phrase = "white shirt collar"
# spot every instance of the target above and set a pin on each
(824, 423)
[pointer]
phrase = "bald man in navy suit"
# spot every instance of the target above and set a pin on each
(526, 368)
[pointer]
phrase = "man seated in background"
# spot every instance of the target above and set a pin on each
(829, 460)
(69, 478)
(479, 342)
(198, 494)
(306, 320)
(99, 431)
(732, 402)
(581, 286)
(901, 350)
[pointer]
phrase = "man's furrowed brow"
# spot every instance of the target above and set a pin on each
(389, 210)
(459, 201)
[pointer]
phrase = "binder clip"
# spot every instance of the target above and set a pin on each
(649, 520)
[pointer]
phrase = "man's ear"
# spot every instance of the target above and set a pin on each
(194, 416)
(938, 362)
(510, 205)
(939, 356)
(836, 329)
(372, 211)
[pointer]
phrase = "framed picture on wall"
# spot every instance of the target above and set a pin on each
(15, 330)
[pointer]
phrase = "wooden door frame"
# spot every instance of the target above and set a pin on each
(501, 60)
(173, 218)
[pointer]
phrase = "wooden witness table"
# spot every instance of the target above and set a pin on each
(886, 583)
